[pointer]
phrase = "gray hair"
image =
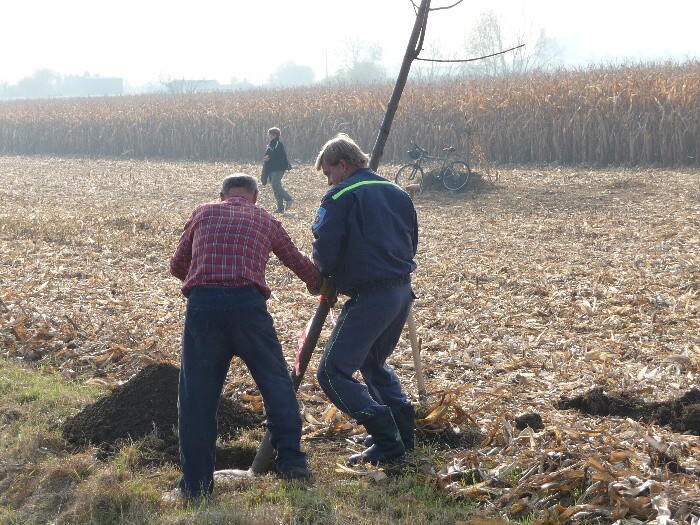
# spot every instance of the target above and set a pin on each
(239, 180)
(342, 147)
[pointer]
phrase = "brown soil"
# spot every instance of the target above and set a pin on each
(681, 414)
(449, 438)
(145, 408)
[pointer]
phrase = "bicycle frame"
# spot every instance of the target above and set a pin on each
(430, 162)
(453, 174)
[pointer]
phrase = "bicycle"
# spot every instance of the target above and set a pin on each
(454, 175)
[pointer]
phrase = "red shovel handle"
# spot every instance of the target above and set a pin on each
(313, 333)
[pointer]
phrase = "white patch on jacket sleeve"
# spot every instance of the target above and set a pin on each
(320, 214)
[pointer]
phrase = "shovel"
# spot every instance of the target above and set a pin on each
(266, 452)
(415, 350)
(412, 334)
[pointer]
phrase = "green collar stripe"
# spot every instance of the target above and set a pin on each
(357, 185)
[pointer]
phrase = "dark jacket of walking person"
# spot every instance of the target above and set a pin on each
(221, 259)
(275, 163)
(365, 239)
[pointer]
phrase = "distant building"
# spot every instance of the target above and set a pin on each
(104, 86)
(87, 86)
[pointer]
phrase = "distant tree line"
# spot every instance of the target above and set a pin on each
(46, 83)
(360, 63)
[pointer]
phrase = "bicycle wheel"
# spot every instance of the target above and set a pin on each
(456, 176)
(409, 174)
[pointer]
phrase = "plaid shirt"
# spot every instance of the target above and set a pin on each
(228, 244)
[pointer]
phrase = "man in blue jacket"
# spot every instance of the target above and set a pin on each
(365, 239)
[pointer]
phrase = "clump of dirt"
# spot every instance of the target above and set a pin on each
(452, 429)
(450, 438)
(532, 420)
(681, 414)
(145, 408)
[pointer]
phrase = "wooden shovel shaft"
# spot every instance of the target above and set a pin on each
(266, 452)
(417, 364)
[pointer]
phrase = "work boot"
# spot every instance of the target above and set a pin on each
(387, 445)
(296, 474)
(406, 422)
(405, 419)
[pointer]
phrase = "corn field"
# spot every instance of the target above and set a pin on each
(633, 115)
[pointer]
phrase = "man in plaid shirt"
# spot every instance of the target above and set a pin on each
(221, 259)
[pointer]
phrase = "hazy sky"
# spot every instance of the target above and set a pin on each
(147, 40)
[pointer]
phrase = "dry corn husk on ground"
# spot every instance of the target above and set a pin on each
(542, 287)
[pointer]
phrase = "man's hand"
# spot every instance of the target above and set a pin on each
(325, 287)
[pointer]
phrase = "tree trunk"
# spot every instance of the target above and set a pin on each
(414, 47)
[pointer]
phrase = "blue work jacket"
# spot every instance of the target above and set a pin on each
(365, 233)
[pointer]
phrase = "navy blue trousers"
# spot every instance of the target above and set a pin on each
(366, 334)
(221, 323)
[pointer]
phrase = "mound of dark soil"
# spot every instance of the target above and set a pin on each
(145, 408)
(681, 414)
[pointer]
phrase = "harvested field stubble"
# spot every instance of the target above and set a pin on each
(549, 284)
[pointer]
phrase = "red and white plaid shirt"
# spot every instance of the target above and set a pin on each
(228, 244)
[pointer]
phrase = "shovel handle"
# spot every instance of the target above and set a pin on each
(266, 452)
(417, 364)
(312, 336)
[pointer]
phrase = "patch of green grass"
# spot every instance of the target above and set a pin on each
(413, 499)
(46, 481)
(33, 404)
(42, 392)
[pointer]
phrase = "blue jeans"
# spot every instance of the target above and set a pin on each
(221, 323)
(366, 334)
(281, 195)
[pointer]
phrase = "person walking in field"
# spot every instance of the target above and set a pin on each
(275, 163)
(221, 258)
(365, 240)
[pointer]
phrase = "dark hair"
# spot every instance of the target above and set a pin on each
(275, 131)
(239, 180)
